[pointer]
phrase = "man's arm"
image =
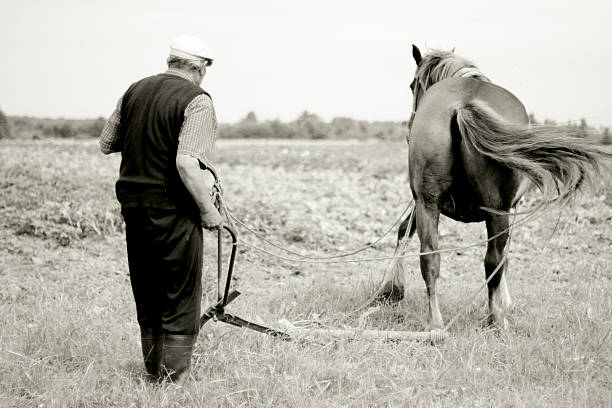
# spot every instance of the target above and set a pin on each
(200, 186)
(196, 140)
(110, 140)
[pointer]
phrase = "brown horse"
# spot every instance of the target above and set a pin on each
(472, 154)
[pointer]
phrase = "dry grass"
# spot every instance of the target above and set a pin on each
(69, 336)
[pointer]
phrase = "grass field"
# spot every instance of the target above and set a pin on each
(69, 338)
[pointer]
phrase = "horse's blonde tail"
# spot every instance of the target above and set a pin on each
(555, 158)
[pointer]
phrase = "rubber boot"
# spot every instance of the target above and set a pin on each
(176, 357)
(151, 342)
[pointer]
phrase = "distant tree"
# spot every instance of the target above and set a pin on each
(343, 127)
(64, 130)
(312, 126)
(584, 128)
(94, 128)
(532, 119)
(250, 118)
(386, 131)
(550, 122)
(363, 126)
(48, 130)
(606, 139)
(280, 130)
(5, 127)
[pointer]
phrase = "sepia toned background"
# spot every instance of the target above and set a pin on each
(311, 150)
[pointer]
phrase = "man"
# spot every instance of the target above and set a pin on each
(165, 127)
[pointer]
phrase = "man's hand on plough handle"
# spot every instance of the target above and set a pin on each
(211, 219)
(210, 215)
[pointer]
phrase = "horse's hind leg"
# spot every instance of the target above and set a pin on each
(392, 288)
(505, 294)
(498, 294)
(427, 217)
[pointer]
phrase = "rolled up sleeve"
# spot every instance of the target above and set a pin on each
(110, 138)
(199, 129)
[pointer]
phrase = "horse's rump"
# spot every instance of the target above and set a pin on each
(443, 166)
(555, 158)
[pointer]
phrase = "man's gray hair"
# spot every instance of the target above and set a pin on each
(182, 63)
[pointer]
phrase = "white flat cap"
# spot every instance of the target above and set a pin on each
(190, 47)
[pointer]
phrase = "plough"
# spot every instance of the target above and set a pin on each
(225, 296)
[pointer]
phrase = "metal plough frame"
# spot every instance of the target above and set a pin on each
(217, 311)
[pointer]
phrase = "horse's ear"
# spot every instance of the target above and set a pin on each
(416, 54)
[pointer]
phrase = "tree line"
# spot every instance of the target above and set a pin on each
(306, 126)
(310, 126)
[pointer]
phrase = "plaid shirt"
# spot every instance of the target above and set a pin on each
(197, 135)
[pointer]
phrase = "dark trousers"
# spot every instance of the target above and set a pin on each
(165, 259)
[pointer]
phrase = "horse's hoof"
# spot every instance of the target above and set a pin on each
(436, 324)
(497, 322)
(390, 293)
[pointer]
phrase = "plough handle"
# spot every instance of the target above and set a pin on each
(230, 269)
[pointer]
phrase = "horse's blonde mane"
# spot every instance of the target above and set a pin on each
(438, 65)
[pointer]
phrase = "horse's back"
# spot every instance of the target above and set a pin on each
(447, 95)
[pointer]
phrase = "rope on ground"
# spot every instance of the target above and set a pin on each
(383, 258)
(232, 218)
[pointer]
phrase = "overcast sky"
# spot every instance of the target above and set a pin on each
(74, 58)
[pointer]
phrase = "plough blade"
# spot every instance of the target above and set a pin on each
(216, 312)
(240, 322)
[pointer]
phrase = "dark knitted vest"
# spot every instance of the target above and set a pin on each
(152, 113)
